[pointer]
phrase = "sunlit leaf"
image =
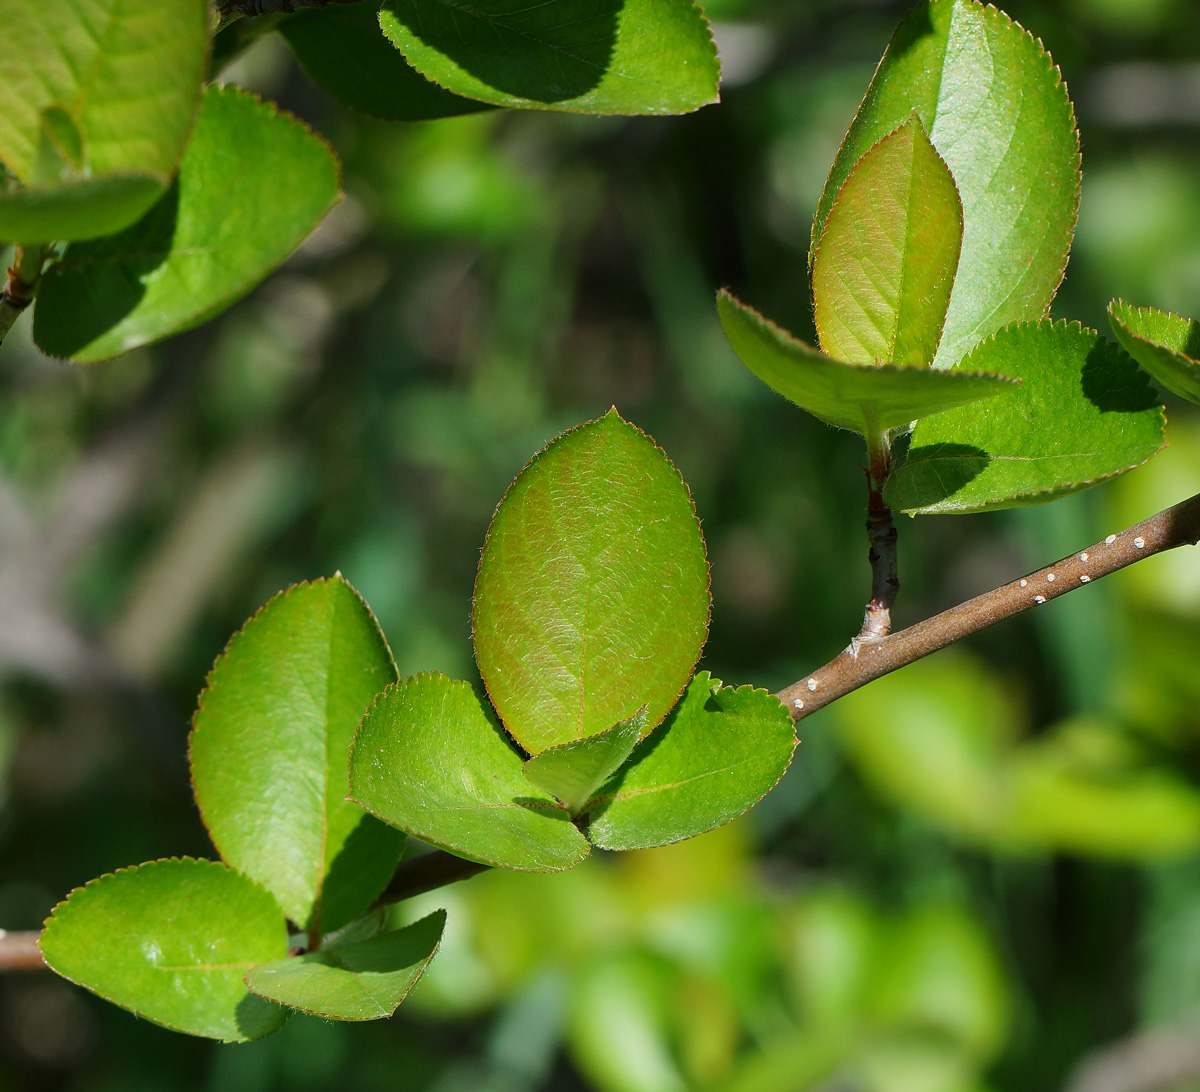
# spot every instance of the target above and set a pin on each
(592, 595)
(1166, 345)
(589, 56)
(172, 941)
(253, 183)
(1083, 413)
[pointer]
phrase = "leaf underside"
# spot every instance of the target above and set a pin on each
(1166, 345)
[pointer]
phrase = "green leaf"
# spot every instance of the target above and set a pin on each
(96, 103)
(253, 183)
(345, 53)
(573, 771)
(1083, 413)
(269, 752)
(171, 941)
(586, 56)
(860, 397)
(366, 980)
(995, 107)
(719, 753)
(885, 262)
(430, 759)
(592, 594)
(1166, 345)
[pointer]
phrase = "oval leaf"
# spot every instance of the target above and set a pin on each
(1083, 413)
(172, 941)
(96, 103)
(345, 53)
(573, 771)
(883, 268)
(592, 594)
(863, 398)
(719, 753)
(253, 183)
(995, 107)
(430, 759)
(586, 56)
(362, 981)
(1166, 345)
(269, 753)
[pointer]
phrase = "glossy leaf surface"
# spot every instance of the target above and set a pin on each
(345, 53)
(1166, 345)
(253, 183)
(1083, 413)
(863, 398)
(996, 110)
(430, 759)
(592, 594)
(366, 980)
(885, 263)
(719, 752)
(571, 772)
(590, 56)
(96, 103)
(269, 753)
(172, 941)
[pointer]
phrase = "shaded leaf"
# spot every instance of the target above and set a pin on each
(269, 753)
(172, 941)
(996, 110)
(1166, 345)
(587, 56)
(345, 53)
(253, 183)
(592, 594)
(1083, 413)
(719, 753)
(573, 771)
(365, 980)
(885, 262)
(96, 103)
(430, 759)
(861, 397)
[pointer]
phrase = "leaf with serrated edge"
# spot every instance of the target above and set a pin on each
(362, 981)
(172, 941)
(430, 759)
(1165, 344)
(585, 56)
(573, 771)
(719, 753)
(996, 109)
(861, 397)
(344, 52)
(253, 183)
(883, 268)
(269, 748)
(126, 75)
(1083, 413)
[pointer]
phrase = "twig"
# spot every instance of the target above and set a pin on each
(881, 534)
(19, 952)
(865, 661)
(427, 873)
(1147, 1061)
(238, 9)
(21, 286)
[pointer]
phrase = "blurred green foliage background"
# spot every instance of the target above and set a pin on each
(981, 873)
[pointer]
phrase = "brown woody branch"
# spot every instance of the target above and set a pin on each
(19, 952)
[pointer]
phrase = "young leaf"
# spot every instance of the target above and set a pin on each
(573, 771)
(885, 262)
(253, 183)
(269, 753)
(996, 110)
(588, 56)
(345, 53)
(430, 759)
(592, 595)
(1083, 413)
(863, 398)
(366, 980)
(1166, 345)
(95, 107)
(715, 756)
(172, 941)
